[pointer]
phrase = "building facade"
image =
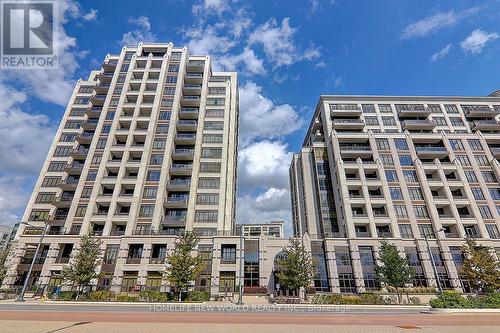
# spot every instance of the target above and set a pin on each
(146, 149)
(5, 236)
(272, 229)
(397, 168)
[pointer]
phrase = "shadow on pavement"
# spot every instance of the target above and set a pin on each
(69, 326)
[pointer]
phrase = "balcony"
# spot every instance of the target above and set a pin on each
(195, 66)
(191, 89)
(482, 111)
(181, 169)
(414, 112)
(177, 201)
(62, 202)
(418, 125)
(193, 78)
(179, 185)
(183, 154)
(110, 65)
(431, 152)
(104, 77)
(58, 218)
(84, 137)
(102, 89)
(356, 151)
(354, 112)
(133, 261)
(188, 113)
(94, 112)
(90, 124)
(495, 151)
(363, 234)
(98, 100)
(185, 139)
(187, 125)
(156, 261)
(348, 124)
(68, 184)
(74, 168)
(173, 220)
(485, 125)
(190, 101)
(80, 153)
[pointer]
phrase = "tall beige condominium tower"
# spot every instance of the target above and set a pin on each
(400, 168)
(146, 149)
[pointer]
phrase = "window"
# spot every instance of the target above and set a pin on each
(385, 108)
(493, 231)
(401, 211)
(415, 193)
(456, 121)
(478, 193)
(405, 230)
(164, 115)
(207, 199)
(382, 144)
(162, 129)
(92, 175)
(214, 113)
(110, 115)
(426, 229)
(156, 160)
(456, 144)
(150, 192)
(159, 143)
(485, 212)
(475, 144)
(153, 175)
(171, 79)
(391, 175)
(434, 108)
(173, 68)
(217, 90)
(63, 151)
(463, 159)
(440, 121)
(86, 192)
(216, 101)
(81, 210)
(495, 193)
(211, 152)
(396, 193)
(371, 121)
(39, 215)
(77, 112)
(56, 166)
(114, 102)
(471, 176)
(212, 138)
(389, 121)
(146, 210)
(386, 159)
(45, 197)
(209, 182)
(489, 176)
(214, 125)
(405, 160)
(124, 68)
(421, 212)
(72, 124)
(451, 108)
(106, 128)
(410, 176)
(482, 160)
(210, 167)
(368, 108)
(401, 144)
(51, 181)
(67, 137)
(205, 216)
(82, 100)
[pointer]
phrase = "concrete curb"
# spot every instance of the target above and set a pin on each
(115, 303)
(437, 311)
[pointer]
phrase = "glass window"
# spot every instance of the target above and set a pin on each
(440, 121)
(391, 175)
(463, 159)
(495, 193)
(214, 125)
(456, 144)
(401, 211)
(368, 108)
(485, 212)
(410, 176)
(489, 176)
(471, 176)
(401, 144)
(371, 121)
(493, 231)
(205, 216)
(153, 175)
(405, 230)
(39, 215)
(150, 192)
(146, 210)
(421, 212)
(51, 181)
(450, 108)
(208, 182)
(456, 121)
(426, 229)
(482, 160)
(478, 193)
(405, 160)
(388, 121)
(385, 108)
(396, 193)
(386, 159)
(214, 113)
(57, 166)
(382, 144)
(475, 144)
(80, 211)
(415, 193)
(207, 199)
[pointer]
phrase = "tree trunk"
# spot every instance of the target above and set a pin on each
(397, 294)
(77, 292)
(180, 295)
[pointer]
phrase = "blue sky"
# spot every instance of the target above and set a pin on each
(286, 52)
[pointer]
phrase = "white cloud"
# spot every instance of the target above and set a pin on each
(90, 16)
(436, 22)
(477, 40)
(142, 33)
(270, 205)
(279, 43)
(204, 41)
(261, 118)
(12, 198)
(211, 7)
(264, 164)
(441, 53)
(253, 65)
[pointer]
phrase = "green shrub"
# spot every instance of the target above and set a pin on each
(491, 301)
(127, 298)
(198, 296)
(371, 298)
(153, 296)
(450, 300)
(101, 296)
(66, 295)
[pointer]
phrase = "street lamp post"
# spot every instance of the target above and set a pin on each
(25, 285)
(240, 295)
(436, 275)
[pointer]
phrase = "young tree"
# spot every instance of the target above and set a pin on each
(395, 270)
(3, 259)
(182, 266)
(480, 268)
(296, 268)
(82, 268)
